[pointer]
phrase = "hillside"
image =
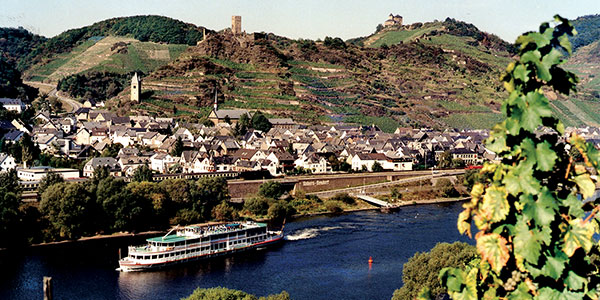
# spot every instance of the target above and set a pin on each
(140, 43)
(448, 79)
(583, 108)
(588, 31)
(17, 43)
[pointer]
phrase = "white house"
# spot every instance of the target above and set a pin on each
(161, 162)
(37, 173)
(13, 104)
(7, 162)
(97, 162)
(367, 159)
(313, 162)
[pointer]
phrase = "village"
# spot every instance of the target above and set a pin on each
(101, 139)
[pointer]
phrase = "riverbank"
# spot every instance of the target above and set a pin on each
(147, 234)
(401, 204)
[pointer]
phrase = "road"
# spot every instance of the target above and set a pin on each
(73, 104)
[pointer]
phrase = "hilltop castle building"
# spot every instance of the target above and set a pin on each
(393, 21)
(136, 88)
(236, 24)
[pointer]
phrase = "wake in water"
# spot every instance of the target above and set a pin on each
(308, 233)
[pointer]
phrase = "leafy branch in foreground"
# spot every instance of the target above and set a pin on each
(535, 233)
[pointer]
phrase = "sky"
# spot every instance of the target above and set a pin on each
(308, 19)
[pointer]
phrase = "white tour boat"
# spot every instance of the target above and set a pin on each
(198, 242)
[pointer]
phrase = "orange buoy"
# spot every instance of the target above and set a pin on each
(370, 260)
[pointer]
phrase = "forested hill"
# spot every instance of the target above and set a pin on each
(17, 43)
(446, 79)
(588, 31)
(157, 29)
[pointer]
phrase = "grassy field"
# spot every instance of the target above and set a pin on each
(97, 55)
(395, 37)
(472, 121)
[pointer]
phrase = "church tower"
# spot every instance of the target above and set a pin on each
(136, 88)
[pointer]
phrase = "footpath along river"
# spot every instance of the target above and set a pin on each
(323, 257)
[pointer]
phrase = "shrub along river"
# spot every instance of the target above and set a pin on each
(323, 257)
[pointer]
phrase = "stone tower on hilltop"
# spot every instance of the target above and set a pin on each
(136, 88)
(393, 21)
(236, 24)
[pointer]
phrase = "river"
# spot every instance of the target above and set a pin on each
(323, 257)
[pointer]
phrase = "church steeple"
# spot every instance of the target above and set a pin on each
(136, 88)
(215, 105)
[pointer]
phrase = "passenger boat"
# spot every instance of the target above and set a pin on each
(198, 242)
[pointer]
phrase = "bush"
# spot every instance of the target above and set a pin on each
(224, 212)
(343, 197)
(271, 189)
(257, 206)
(446, 188)
(280, 210)
(220, 293)
(422, 269)
(334, 206)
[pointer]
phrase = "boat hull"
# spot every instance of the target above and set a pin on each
(130, 266)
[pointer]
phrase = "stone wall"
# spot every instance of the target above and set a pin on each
(246, 188)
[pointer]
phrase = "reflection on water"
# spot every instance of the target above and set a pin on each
(322, 258)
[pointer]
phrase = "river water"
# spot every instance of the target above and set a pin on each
(323, 258)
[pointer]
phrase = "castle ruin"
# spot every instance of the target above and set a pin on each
(393, 20)
(236, 24)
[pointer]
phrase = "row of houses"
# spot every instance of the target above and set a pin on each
(151, 141)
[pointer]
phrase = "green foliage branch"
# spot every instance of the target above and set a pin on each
(535, 234)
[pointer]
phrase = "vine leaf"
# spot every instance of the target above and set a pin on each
(541, 211)
(526, 244)
(545, 156)
(585, 184)
(578, 235)
(521, 293)
(574, 281)
(494, 206)
(554, 267)
(493, 249)
(464, 222)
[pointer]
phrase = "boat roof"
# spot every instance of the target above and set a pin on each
(169, 239)
(178, 238)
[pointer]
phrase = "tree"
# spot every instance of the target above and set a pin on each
(67, 206)
(220, 293)
(224, 212)
(111, 150)
(29, 151)
(395, 194)
(257, 206)
(49, 180)
(10, 181)
(99, 174)
(535, 235)
(445, 160)
(422, 269)
(378, 28)
(209, 192)
(334, 206)
(280, 210)
(9, 217)
(446, 188)
(153, 193)
(271, 189)
(142, 173)
(227, 119)
(376, 167)
(177, 147)
(178, 190)
(260, 122)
